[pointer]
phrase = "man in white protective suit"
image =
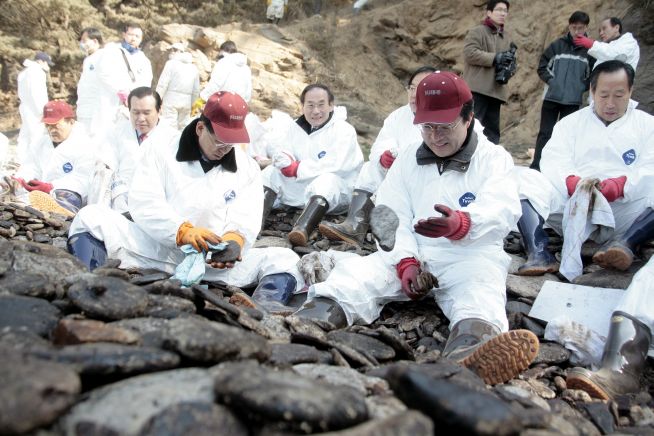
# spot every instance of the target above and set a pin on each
(627, 344)
(60, 162)
(231, 73)
(467, 180)
(179, 87)
(397, 133)
(316, 163)
(614, 44)
(124, 147)
(33, 95)
(122, 67)
(89, 86)
(611, 141)
(196, 188)
(275, 10)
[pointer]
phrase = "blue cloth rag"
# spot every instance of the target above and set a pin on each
(192, 269)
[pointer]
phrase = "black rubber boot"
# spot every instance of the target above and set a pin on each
(311, 216)
(90, 250)
(535, 241)
(269, 197)
(495, 357)
(323, 309)
(623, 360)
(353, 229)
(274, 291)
(619, 253)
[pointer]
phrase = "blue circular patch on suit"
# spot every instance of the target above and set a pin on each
(322, 154)
(229, 195)
(92, 67)
(629, 156)
(67, 167)
(466, 199)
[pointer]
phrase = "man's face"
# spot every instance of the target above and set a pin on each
(143, 113)
(607, 32)
(445, 140)
(577, 29)
(611, 95)
(60, 131)
(133, 36)
(212, 147)
(88, 45)
(499, 14)
(411, 90)
(316, 107)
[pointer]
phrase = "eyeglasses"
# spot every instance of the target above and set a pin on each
(217, 142)
(501, 10)
(411, 88)
(439, 128)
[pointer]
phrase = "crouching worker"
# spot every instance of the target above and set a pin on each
(195, 188)
(316, 164)
(58, 166)
(466, 179)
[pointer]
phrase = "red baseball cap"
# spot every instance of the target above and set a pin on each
(55, 110)
(227, 111)
(440, 97)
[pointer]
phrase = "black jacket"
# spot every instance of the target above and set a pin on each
(566, 70)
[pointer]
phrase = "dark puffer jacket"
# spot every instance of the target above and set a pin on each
(566, 70)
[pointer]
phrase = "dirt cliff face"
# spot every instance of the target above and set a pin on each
(365, 58)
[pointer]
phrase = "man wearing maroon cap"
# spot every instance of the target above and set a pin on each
(467, 180)
(196, 189)
(61, 162)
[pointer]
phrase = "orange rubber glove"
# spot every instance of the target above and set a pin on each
(196, 236)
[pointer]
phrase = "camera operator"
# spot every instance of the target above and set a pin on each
(488, 55)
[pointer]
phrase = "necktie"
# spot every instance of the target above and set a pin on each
(142, 137)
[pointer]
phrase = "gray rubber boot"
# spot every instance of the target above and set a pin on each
(323, 309)
(269, 197)
(619, 253)
(353, 229)
(623, 360)
(311, 216)
(535, 241)
(495, 357)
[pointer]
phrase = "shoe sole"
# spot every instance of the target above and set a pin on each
(335, 235)
(613, 258)
(503, 357)
(537, 270)
(585, 384)
(43, 202)
(297, 238)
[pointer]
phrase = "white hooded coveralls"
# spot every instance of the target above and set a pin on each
(231, 73)
(638, 298)
(582, 145)
(276, 9)
(165, 193)
(397, 133)
(68, 166)
(625, 49)
(89, 88)
(179, 87)
(471, 272)
(33, 95)
(330, 159)
(114, 76)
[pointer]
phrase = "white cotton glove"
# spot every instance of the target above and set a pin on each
(282, 159)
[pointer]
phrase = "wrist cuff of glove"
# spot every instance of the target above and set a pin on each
(404, 264)
(234, 236)
(464, 227)
(182, 231)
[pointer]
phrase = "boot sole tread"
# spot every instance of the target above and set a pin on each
(334, 235)
(580, 382)
(537, 270)
(613, 258)
(297, 238)
(503, 357)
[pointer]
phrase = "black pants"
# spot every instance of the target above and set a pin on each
(550, 113)
(487, 111)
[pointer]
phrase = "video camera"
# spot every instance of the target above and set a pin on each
(506, 69)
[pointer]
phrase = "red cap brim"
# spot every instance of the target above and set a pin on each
(238, 135)
(443, 116)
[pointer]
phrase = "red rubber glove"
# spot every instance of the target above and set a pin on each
(122, 97)
(613, 188)
(291, 170)
(408, 270)
(386, 159)
(571, 183)
(37, 185)
(582, 41)
(453, 225)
